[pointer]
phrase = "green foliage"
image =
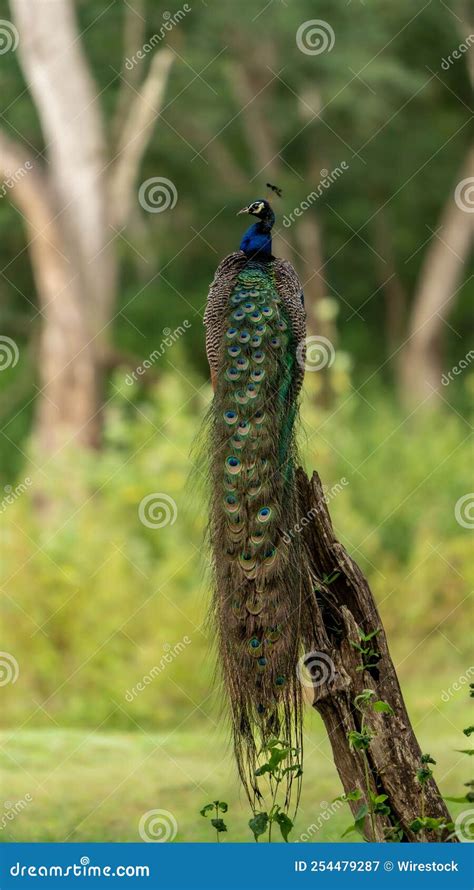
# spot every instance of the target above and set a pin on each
(217, 806)
(110, 604)
(258, 825)
(277, 753)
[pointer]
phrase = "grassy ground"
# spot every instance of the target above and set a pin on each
(95, 786)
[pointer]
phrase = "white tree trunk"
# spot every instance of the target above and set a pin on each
(67, 103)
(440, 278)
(68, 213)
(68, 404)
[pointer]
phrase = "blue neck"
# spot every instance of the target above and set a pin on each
(257, 241)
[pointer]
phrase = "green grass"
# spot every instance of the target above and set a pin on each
(94, 786)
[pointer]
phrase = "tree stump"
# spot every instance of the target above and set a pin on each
(341, 607)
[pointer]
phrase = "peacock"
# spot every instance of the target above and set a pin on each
(255, 336)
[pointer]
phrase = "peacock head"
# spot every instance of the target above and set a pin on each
(261, 209)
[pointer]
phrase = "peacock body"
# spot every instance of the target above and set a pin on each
(255, 325)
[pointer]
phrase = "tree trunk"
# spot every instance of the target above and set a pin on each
(422, 360)
(68, 367)
(70, 208)
(342, 607)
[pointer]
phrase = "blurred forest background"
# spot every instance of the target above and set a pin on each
(104, 381)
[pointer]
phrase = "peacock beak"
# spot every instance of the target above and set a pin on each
(244, 210)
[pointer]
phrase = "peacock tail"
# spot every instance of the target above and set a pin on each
(253, 333)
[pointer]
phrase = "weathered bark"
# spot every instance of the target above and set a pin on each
(347, 604)
(421, 363)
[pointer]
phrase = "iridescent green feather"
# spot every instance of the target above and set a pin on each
(259, 579)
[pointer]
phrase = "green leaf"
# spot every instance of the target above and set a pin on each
(468, 751)
(468, 731)
(351, 795)
(285, 824)
(259, 824)
(427, 758)
(219, 825)
(209, 808)
(359, 741)
(296, 769)
(359, 818)
(266, 768)
(382, 707)
(277, 756)
(424, 774)
(464, 799)
(349, 830)
(223, 806)
(366, 637)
